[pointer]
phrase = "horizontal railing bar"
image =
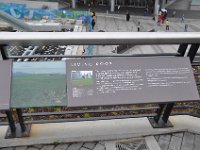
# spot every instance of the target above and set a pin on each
(88, 119)
(196, 64)
(88, 111)
(97, 38)
(196, 74)
(187, 107)
(197, 83)
(181, 113)
(3, 123)
(2, 115)
(81, 56)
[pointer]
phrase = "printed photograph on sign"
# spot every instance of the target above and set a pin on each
(38, 84)
(82, 78)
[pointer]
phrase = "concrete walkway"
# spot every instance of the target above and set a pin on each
(117, 23)
(104, 135)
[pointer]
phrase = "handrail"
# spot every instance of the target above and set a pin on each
(93, 56)
(97, 38)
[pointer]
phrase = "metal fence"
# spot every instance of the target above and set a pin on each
(188, 46)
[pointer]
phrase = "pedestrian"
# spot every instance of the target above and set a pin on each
(138, 26)
(83, 52)
(183, 18)
(127, 16)
(167, 25)
(186, 27)
(89, 7)
(118, 7)
(93, 23)
(173, 13)
(145, 12)
(94, 15)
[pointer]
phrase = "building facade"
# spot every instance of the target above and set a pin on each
(149, 4)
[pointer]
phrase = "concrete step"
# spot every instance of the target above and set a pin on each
(180, 5)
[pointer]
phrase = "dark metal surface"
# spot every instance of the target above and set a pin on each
(192, 52)
(159, 112)
(11, 122)
(3, 52)
(167, 112)
(182, 49)
(21, 120)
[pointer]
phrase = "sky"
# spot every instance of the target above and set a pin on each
(40, 67)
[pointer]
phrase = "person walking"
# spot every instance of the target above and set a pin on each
(93, 23)
(174, 13)
(83, 52)
(127, 16)
(183, 18)
(138, 26)
(89, 7)
(118, 7)
(186, 27)
(167, 25)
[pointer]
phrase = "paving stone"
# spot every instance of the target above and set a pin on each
(33, 148)
(48, 147)
(175, 143)
(163, 143)
(21, 148)
(83, 148)
(178, 135)
(61, 147)
(89, 145)
(188, 141)
(99, 147)
(38, 146)
(165, 137)
(7, 148)
(197, 142)
(75, 146)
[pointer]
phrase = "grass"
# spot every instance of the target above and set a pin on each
(38, 90)
(82, 82)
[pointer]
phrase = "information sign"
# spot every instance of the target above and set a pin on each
(112, 81)
(5, 83)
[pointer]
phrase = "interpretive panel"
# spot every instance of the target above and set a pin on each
(5, 82)
(38, 84)
(110, 81)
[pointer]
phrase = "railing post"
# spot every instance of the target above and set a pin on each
(3, 52)
(182, 49)
(167, 112)
(12, 130)
(24, 130)
(159, 113)
(192, 52)
(21, 120)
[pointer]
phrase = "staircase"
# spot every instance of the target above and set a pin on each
(180, 5)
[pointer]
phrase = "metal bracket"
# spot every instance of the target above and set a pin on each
(160, 124)
(3, 51)
(182, 49)
(161, 120)
(192, 52)
(21, 129)
(18, 133)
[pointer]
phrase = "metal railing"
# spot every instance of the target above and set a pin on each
(102, 38)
